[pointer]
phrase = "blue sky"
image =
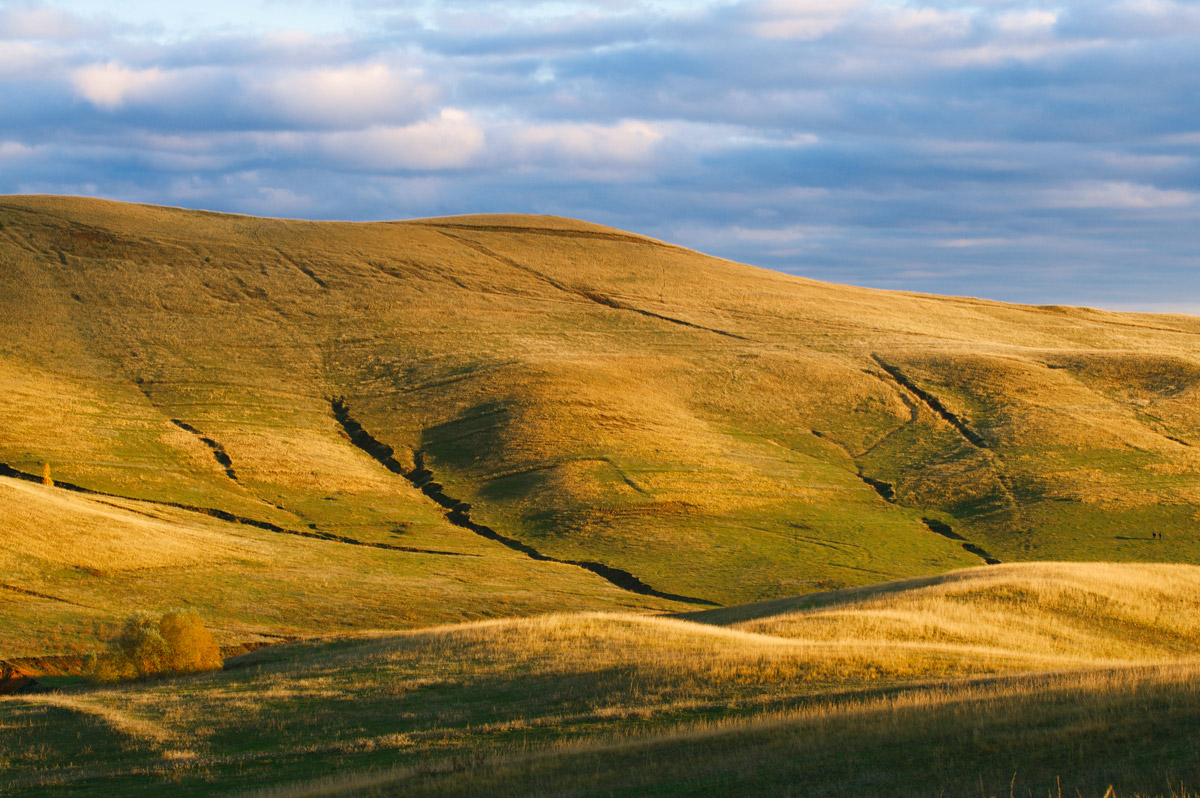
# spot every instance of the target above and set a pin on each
(1026, 151)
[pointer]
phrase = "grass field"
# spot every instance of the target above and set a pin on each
(551, 508)
(1046, 672)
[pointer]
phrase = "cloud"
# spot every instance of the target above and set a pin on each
(1035, 22)
(799, 19)
(21, 60)
(45, 23)
(628, 142)
(969, 243)
(449, 141)
(15, 149)
(347, 96)
(111, 85)
(917, 27)
(1117, 195)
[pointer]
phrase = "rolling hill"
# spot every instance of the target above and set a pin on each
(302, 428)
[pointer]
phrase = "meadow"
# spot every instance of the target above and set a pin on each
(545, 507)
(1032, 675)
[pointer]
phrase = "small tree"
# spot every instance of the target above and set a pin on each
(46, 480)
(190, 645)
(177, 642)
(141, 645)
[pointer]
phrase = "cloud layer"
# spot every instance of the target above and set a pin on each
(1014, 149)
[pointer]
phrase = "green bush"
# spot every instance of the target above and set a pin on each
(177, 642)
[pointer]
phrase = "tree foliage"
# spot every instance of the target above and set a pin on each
(176, 642)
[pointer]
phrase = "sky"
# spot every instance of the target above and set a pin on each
(1041, 152)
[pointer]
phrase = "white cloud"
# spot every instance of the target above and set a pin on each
(800, 19)
(1027, 22)
(449, 141)
(111, 85)
(912, 26)
(279, 201)
(1016, 50)
(970, 243)
(1186, 139)
(714, 137)
(1151, 8)
(15, 150)
(39, 22)
(771, 235)
(1146, 162)
(348, 97)
(20, 60)
(626, 143)
(1116, 194)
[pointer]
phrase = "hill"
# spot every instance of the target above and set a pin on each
(302, 427)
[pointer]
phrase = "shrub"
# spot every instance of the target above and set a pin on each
(190, 646)
(174, 643)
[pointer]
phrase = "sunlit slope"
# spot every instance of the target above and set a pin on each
(718, 431)
(73, 566)
(1073, 689)
(1097, 611)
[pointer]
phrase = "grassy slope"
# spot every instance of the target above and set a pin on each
(92, 560)
(598, 395)
(758, 699)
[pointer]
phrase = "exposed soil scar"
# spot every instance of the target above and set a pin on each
(932, 402)
(943, 529)
(304, 269)
(459, 512)
(218, 450)
(8, 471)
(26, 592)
(886, 490)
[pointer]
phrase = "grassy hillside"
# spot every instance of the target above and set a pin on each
(615, 411)
(1065, 686)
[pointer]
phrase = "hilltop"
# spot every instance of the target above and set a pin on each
(308, 427)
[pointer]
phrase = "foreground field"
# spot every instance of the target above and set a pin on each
(1019, 675)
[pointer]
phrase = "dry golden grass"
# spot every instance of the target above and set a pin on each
(65, 528)
(74, 565)
(1059, 685)
(1097, 612)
